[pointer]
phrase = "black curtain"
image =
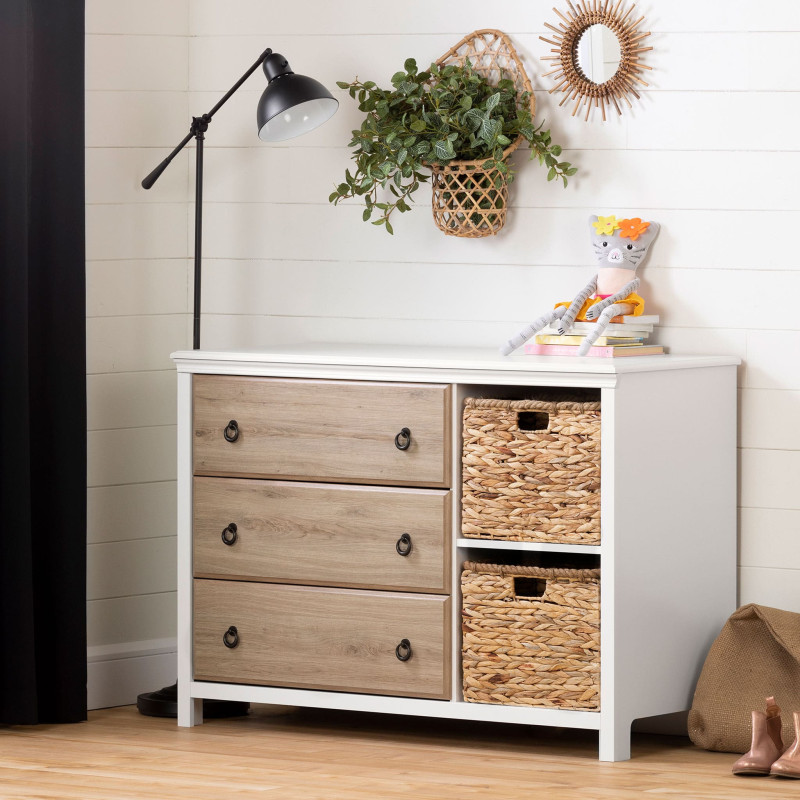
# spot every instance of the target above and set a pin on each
(42, 363)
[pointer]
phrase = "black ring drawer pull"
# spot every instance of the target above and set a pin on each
(403, 650)
(230, 534)
(404, 545)
(403, 439)
(231, 637)
(231, 431)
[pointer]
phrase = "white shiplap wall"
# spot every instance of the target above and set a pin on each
(711, 152)
(137, 302)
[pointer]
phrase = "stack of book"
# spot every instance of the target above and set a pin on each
(626, 338)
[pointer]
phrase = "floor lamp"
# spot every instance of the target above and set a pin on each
(290, 106)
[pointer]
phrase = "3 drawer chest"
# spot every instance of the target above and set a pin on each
(319, 527)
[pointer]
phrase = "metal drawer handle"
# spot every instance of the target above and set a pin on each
(231, 637)
(403, 439)
(404, 545)
(403, 650)
(231, 431)
(230, 534)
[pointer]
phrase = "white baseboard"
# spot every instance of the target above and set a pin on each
(117, 673)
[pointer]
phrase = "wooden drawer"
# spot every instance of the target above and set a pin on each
(322, 430)
(314, 638)
(324, 534)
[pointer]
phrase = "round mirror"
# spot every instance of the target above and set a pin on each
(598, 53)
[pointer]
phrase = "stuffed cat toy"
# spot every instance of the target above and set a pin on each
(619, 248)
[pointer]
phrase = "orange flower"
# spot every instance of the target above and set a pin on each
(632, 228)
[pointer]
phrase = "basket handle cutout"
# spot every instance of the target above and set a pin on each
(529, 587)
(533, 420)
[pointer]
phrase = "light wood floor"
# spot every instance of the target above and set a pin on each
(330, 755)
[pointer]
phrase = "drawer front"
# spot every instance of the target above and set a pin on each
(324, 534)
(322, 430)
(314, 638)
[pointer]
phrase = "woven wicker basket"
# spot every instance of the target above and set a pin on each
(531, 470)
(531, 636)
(468, 200)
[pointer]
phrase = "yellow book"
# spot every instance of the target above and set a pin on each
(603, 341)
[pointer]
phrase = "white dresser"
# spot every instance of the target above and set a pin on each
(319, 545)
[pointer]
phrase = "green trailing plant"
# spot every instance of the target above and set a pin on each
(434, 117)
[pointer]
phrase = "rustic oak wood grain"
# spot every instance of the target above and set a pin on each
(340, 431)
(310, 637)
(322, 534)
(338, 755)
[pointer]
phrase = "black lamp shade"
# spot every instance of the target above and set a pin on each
(291, 105)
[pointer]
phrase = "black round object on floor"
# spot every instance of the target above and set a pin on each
(164, 703)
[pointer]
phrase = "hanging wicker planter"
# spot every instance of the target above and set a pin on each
(468, 200)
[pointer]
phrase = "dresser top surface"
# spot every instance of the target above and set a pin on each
(435, 358)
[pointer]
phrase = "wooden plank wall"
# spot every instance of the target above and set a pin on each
(711, 152)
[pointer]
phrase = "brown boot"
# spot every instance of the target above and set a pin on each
(788, 765)
(767, 745)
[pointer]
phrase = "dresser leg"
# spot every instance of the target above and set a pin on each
(615, 739)
(190, 710)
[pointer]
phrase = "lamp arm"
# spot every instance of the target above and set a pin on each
(200, 124)
(238, 83)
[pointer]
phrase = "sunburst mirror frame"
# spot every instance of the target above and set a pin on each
(570, 77)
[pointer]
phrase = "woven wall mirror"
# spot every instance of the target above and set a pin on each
(597, 50)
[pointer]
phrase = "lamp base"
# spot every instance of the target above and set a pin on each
(164, 703)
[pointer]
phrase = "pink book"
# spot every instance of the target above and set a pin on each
(594, 352)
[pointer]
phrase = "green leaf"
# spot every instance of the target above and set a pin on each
(389, 227)
(333, 196)
(398, 77)
(367, 214)
(410, 66)
(556, 150)
(571, 171)
(418, 125)
(551, 174)
(342, 84)
(504, 140)
(401, 156)
(489, 128)
(466, 102)
(492, 101)
(343, 188)
(443, 150)
(381, 221)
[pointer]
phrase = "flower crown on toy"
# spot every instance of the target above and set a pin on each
(629, 228)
